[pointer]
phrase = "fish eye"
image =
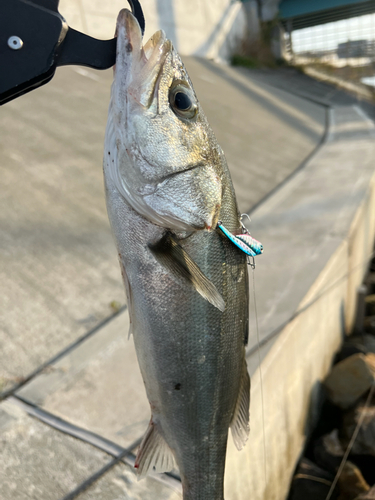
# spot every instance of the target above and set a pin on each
(182, 101)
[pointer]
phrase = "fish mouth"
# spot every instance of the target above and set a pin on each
(138, 67)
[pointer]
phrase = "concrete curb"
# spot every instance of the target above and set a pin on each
(359, 90)
(323, 227)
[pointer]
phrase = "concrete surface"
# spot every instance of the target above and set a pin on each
(121, 479)
(59, 272)
(206, 29)
(60, 266)
(318, 233)
(294, 81)
(265, 132)
(37, 462)
(309, 217)
(97, 386)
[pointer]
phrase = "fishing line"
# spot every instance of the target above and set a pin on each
(351, 443)
(252, 248)
(261, 377)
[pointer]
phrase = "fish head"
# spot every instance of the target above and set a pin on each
(160, 152)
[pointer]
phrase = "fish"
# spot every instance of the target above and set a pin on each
(167, 186)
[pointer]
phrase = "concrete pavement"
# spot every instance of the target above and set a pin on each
(59, 271)
(60, 281)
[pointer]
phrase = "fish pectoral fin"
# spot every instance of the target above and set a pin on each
(240, 422)
(170, 254)
(154, 454)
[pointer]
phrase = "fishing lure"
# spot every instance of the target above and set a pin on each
(244, 242)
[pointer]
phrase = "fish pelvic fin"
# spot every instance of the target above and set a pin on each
(240, 423)
(170, 254)
(154, 454)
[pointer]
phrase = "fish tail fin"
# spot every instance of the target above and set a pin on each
(154, 454)
(240, 422)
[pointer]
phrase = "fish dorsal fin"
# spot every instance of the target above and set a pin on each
(240, 423)
(170, 254)
(154, 455)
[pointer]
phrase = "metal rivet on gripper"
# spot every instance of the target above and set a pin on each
(15, 43)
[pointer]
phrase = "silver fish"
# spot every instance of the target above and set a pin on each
(167, 186)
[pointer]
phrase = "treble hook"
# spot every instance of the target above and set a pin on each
(244, 228)
(251, 261)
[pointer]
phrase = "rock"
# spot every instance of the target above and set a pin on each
(350, 379)
(350, 347)
(311, 483)
(370, 495)
(366, 464)
(351, 482)
(370, 304)
(365, 440)
(328, 451)
(369, 342)
(356, 344)
(369, 324)
(370, 282)
(330, 418)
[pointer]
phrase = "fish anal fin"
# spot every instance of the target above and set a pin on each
(154, 454)
(240, 422)
(170, 254)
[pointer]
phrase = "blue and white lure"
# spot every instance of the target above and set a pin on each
(244, 242)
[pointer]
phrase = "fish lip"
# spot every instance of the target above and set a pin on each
(126, 21)
(132, 56)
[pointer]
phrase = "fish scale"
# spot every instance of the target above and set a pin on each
(186, 283)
